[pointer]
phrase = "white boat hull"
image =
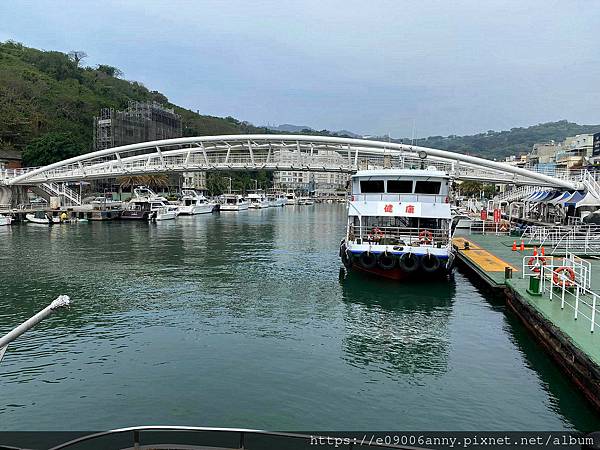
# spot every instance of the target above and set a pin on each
(196, 209)
(170, 215)
(5, 220)
(239, 207)
(43, 220)
(259, 205)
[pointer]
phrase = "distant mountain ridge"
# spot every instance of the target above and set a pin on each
(289, 128)
(491, 144)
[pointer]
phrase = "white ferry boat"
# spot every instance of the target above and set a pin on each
(193, 203)
(399, 224)
(234, 202)
(146, 205)
(258, 200)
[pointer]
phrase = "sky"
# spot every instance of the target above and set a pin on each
(371, 67)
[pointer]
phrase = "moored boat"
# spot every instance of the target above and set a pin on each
(5, 220)
(193, 203)
(146, 205)
(277, 199)
(233, 202)
(258, 200)
(42, 217)
(291, 198)
(399, 224)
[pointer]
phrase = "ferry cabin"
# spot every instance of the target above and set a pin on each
(399, 223)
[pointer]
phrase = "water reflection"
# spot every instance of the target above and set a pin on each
(403, 328)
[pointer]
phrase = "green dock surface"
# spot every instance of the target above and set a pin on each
(491, 269)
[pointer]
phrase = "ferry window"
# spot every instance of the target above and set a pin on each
(371, 186)
(428, 187)
(399, 186)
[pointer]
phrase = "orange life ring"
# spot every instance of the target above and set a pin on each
(541, 261)
(377, 233)
(503, 227)
(426, 237)
(562, 281)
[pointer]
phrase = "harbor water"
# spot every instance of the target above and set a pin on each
(242, 320)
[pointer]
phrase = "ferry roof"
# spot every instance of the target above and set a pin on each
(418, 173)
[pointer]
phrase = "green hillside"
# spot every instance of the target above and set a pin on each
(48, 101)
(499, 144)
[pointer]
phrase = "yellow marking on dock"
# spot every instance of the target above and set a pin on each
(483, 259)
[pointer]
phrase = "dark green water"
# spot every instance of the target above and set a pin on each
(240, 320)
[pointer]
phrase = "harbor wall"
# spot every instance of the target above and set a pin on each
(575, 363)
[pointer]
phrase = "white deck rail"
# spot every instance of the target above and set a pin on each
(554, 284)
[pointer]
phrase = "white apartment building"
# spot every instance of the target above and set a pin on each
(321, 183)
(194, 180)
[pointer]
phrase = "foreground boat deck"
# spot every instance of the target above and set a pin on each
(568, 340)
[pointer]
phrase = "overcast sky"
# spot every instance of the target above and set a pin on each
(372, 67)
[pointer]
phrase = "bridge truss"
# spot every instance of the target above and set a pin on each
(272, 152)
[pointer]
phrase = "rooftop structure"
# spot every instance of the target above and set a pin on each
(140, 122)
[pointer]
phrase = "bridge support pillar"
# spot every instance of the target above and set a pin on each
(13, 195)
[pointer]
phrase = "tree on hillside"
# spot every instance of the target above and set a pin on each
(51, 148)
(77, 56)
(109, 70)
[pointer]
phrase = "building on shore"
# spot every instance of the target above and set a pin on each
(143, 122)
(140, 122)
(595, 159)
(319, 184)
(10, 159)
(194, 180)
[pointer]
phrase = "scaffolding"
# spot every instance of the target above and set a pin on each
(140, 122)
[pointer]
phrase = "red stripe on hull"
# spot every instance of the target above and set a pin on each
(393, 274)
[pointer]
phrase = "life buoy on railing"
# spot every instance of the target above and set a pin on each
(536, 262)
(566, 280)
(377, 233)
(503, 227)
(425, 237)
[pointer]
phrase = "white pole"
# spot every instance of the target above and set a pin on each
(593, 313)
(61, 302)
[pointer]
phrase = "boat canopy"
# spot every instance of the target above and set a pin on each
(536, 196)
(560, 199)
(551, 196)
(545, 195)
(575, 197)
(588, 199)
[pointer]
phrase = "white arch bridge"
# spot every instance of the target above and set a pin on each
(271, 152)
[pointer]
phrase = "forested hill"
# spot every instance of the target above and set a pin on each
(49, 97)
(48, 100)
(499, 144)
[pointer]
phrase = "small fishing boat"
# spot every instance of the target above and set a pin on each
(193, 203)
(5, 220)
(42, 217)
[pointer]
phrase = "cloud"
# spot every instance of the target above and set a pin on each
(375, 67)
